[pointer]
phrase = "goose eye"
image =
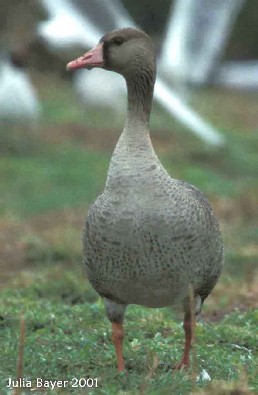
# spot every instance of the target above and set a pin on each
(118, 40)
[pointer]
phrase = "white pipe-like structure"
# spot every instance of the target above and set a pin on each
(174, 51)
(188, 117)
(197, 33)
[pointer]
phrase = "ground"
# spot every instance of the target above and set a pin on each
(49, 177)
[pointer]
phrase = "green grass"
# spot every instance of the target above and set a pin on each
(48, 180)
(54, 179)
(67, 336)
(65, 175)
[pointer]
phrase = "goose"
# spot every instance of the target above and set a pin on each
(149, 239)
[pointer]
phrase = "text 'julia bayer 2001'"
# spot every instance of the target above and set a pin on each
(52, 384)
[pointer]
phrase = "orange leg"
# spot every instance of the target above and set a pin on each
(189, 328)
(117, 337)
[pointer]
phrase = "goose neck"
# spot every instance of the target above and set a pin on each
(140, 93)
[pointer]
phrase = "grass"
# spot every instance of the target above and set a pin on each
(67, 336)
(48, 179)
(51, 180)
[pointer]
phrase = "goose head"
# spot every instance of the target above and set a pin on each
(125, 51)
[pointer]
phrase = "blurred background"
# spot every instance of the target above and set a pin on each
(58, 130)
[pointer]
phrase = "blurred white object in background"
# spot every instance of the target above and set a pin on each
(19, 102)
(239, 75)
(197, 33)
(18, 98)
(173, 54)
(73, 18)
(66, 27)
(89, 85)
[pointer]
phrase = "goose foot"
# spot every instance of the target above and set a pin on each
(183, 365)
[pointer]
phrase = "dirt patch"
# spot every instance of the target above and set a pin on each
(231, 210)
(98, 139)
(219, 314)
(11, 251)
(223, 106)
(239, 295)
(76, 133)
(62, 218)
(15, 238)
